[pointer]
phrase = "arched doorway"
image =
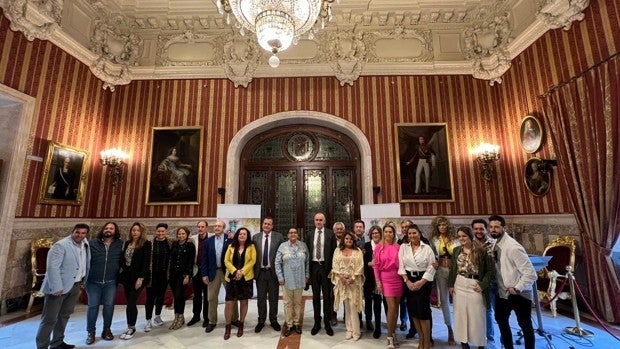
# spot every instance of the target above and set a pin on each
(295, 171)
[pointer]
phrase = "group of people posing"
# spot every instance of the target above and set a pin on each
(358, 269)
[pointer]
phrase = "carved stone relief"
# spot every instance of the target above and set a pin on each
(424, 44)
(486, 44)
(36, 19)
(561, 13)
(241, 56)
(346, 52)
(166, 45)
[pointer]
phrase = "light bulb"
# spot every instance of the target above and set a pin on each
(274, 61)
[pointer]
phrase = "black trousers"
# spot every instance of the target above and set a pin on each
(132, 295)
(523, 310)
(155, 296)
(321, 284)
(178, 289)
(201, 299)
(372, 302)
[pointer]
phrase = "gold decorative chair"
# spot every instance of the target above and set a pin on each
(563, 251)
(38, 257)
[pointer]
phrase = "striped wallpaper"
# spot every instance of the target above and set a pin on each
(71, 99)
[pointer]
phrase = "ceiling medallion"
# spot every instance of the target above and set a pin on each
(277, 23)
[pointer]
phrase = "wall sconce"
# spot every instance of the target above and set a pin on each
(486, 155)
(114, 160)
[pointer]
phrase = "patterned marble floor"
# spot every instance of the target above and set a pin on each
(20, 334)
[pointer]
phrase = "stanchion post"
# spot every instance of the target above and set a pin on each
(577, 330)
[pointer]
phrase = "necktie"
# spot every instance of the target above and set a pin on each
(266, 252)
(319, 247)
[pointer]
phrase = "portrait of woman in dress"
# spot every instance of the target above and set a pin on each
(176, 171)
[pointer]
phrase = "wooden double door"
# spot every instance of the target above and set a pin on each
(295, 172)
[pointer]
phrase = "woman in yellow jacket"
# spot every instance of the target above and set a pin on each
(239, 261)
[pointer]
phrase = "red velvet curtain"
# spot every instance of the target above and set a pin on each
(583, 116)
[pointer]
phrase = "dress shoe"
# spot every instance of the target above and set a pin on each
(107, 335)
(63, 345)
(235, 323)
(333, 322)
(402, 326)
(259, 327)
(369, 326)
(193, 321)
(411, 334)
(329, 331)
(90, 338)
(298, 329)
(205, 323)
(276, 326)
(315, 329)
(209, 328)
(287, 331)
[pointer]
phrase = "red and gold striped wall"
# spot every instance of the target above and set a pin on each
(73, 109)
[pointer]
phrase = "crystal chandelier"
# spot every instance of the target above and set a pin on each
(277, 23)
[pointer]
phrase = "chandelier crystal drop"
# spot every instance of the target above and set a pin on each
(277, 23)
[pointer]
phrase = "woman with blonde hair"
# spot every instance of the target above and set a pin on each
(239, 261)
(469, 280)
(348, 279)
(182, 260)
(443, 238)
(389, 283)
(134, 273)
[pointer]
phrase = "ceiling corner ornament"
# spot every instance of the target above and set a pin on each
(562, 13)
(35, 19)
(115, 50)
(486, 43)
(241, 56)
(277, 24)
(346, 53)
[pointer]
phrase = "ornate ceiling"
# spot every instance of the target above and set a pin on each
(125, 40)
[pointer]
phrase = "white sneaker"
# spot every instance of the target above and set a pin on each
(149, 326)
(128, 333)
(157, 321)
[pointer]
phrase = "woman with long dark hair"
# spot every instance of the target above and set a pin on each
(372, 298)
(134, 273)
(156, 289)
(239, 261)
(416, 268)
(182, 259)
(469, 281)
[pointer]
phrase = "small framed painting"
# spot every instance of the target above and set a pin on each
(64, 175)
(531, 133)
(537, 176)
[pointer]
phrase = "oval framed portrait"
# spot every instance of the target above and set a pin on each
(537, 176)
(531, 134)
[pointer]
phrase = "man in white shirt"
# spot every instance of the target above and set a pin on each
(515, 278)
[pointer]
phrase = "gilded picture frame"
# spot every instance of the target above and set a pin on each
(531, 134)
(537, 176)
(424, 170)
(175, 166)
(63, 181)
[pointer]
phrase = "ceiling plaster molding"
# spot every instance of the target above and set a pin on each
(35, 19)
(115, 47)
(562, 13)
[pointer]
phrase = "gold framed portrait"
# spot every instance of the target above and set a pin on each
(537, 176)
(531, 134)
(63, 180)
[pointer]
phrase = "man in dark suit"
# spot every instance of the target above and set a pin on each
(212, 269)
(267, 243)
(321, 245)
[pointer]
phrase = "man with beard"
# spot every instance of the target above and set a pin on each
(515, 277)
(106, 251)
(482, 239)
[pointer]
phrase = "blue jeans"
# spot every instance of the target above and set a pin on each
(100, 293)
(490, 330)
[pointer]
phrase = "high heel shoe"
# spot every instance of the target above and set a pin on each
(240, 329)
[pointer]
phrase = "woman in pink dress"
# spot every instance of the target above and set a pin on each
(389, 283)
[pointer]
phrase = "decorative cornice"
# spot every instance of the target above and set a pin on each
(561, 13)
(35, 19)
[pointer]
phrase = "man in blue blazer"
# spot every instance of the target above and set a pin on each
(68, 263)
(212, 269)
